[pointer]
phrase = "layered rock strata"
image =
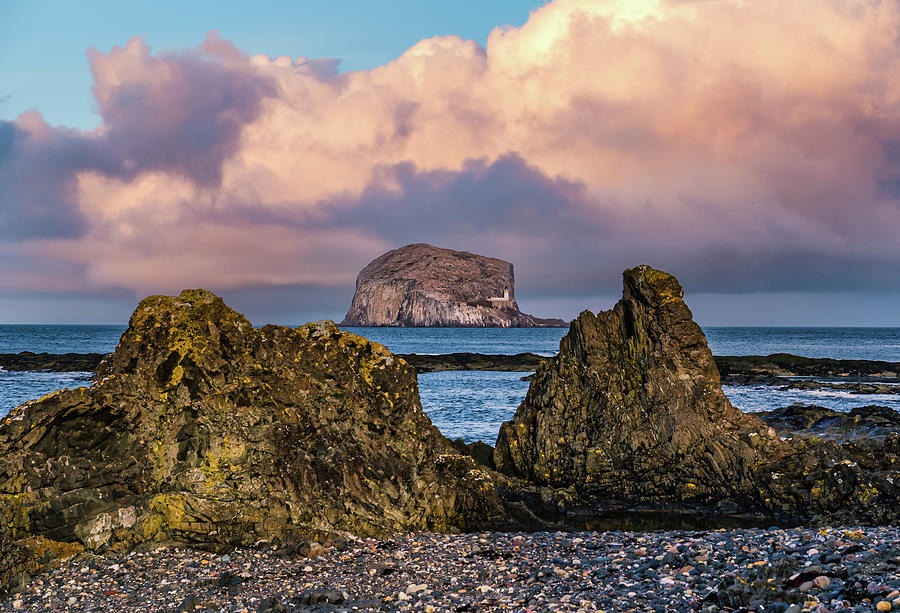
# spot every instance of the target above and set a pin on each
(201, 429)
(421, 285)
(632, 411)
(632, 406)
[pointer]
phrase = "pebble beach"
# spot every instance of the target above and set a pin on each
(793, 570)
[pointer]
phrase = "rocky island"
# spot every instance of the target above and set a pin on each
(420, 285)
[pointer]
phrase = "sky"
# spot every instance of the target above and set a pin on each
(268, 152)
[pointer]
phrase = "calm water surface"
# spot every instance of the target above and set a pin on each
(840, 343)
(59, 339)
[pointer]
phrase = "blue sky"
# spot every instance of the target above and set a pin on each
(43, 44)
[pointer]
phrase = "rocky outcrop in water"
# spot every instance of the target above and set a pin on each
(56, 362)
(201, 429)
(789, 372)
(631, 412)
(422, 285)
(868, 423)
(519, 362)
(632, 408)
(742, 369)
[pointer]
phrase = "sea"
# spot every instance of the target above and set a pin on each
(472, 404)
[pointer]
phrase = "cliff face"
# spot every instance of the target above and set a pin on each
(202, 429)
(422, 285)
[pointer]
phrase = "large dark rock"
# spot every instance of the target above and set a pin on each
(631, 412)
(201, 429)
(422, 285)
(632, 408)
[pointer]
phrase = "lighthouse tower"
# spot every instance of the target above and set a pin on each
(504, 299)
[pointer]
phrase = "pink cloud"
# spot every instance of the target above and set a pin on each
(720, 139)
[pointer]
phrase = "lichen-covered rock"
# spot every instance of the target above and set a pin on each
(422, 285)
(852, 482)
(202, 429)
(632, 411)
(632, 408)
(23, 559)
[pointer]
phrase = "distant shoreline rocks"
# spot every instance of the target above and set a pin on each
(54, 362)
(780, 369)
(520, 362)
(763, 369)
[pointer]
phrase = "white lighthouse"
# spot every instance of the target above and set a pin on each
(501, 300)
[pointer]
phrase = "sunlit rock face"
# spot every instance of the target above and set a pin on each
(203, 429)
(421, 285)
(632, 411)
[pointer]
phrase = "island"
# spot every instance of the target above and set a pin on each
(421, 285)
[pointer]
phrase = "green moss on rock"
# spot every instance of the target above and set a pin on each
(202, 429)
